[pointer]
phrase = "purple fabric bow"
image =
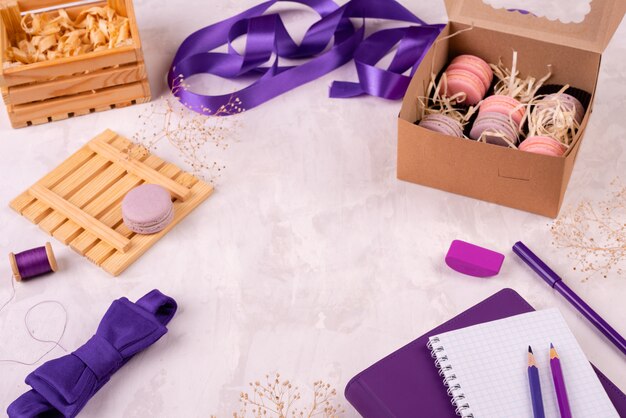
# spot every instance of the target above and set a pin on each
(62, 387)
(267, 36)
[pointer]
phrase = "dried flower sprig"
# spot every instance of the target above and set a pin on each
(279, 398)
(595, 233)
(188, 132)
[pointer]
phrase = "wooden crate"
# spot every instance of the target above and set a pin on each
(67, 87)
(79, 202)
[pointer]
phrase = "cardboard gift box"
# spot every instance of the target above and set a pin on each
(506, 176)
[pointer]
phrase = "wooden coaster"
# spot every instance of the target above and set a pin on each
(79, 202)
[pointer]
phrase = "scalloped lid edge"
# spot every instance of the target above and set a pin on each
(592, 34)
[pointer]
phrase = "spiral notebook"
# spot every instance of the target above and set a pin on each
(405, 384)
(485, 367)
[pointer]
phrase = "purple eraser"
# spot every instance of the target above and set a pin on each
(473, 260)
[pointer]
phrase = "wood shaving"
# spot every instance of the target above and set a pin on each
(510, 84)
(436, 101)
(51, 36)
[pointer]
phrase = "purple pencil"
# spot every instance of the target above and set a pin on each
(559, 383)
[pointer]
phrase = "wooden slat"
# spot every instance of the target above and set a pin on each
(118, 262)
(86, 221)
(87, 100)
(28, 5)
(61, 179)
(141, 170)
(81, 174)
(102, 250)
(102, 177)
(72, 11)
(127, 6)
(113, 216)
(67, 167)
(92, 61)
(4, 46)
(99, 189)
(119, 6)
(70, 230)
(11, 19)
(105, 203)
(66, 189)
(75, 84)
(21, 202)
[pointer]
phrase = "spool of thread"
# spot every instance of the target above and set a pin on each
(32, 263)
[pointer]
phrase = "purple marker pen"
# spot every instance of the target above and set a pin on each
(556, 283)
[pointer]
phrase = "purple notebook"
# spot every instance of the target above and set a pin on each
(406, 383)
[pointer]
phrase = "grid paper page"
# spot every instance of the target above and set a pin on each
(491, 366)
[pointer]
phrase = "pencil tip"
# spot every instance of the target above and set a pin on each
(551, 346)
(530, 350)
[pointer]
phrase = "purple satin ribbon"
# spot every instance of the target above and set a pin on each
(267, 36)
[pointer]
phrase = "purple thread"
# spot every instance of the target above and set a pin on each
(31, 263)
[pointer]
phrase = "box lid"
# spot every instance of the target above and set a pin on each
(592, 34)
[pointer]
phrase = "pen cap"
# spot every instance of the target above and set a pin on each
(535, 263)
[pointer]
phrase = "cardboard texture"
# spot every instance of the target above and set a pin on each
(509, 177)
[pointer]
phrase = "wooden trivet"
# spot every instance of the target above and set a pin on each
(79, 202)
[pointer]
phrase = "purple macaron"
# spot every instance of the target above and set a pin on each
(442, 124)
(147, 209)
(493, 126)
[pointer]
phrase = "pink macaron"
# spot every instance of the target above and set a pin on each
(475, 65)
(442, 124)
(495, 128)
(504, 105)
(147, 209)
(470, 75)
(461, 81)
(543, 145)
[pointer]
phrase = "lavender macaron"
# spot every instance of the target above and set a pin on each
(442, 124)
(495, 127)
(147, 209)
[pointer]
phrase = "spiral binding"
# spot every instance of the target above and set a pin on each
(445, 370)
